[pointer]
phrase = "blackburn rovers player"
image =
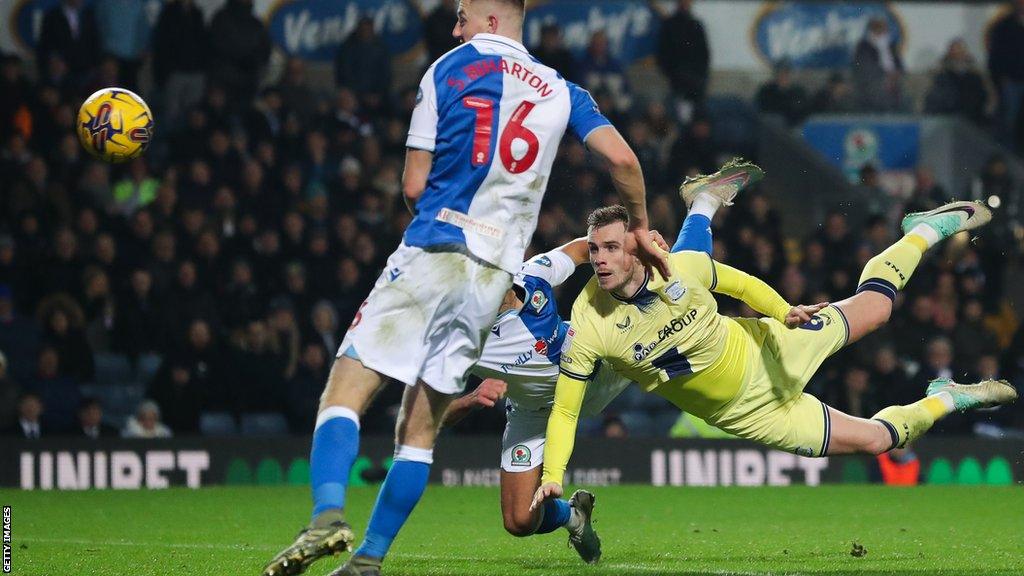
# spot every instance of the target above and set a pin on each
(520, 361)
(745, 376)
(482, 140)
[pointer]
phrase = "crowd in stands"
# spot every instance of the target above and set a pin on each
(208, 284)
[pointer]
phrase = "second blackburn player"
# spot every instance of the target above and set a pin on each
(745, 376)
(521, 357)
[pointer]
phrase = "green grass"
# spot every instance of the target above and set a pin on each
(797, 530)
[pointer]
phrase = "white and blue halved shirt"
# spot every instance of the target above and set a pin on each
(493, 117)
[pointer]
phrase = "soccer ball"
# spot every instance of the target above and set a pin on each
(115, 125)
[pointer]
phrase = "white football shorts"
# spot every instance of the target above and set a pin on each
(522, 446)
(427, 316)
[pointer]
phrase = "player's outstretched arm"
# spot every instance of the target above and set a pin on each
(760, 296)
(486, 395)
(414, 178)
(628, 179)
(561, 436)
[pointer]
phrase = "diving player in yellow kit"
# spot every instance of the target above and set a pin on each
(745, 375)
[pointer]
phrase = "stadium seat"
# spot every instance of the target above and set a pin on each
(638, 423)
(264, 424)
(146, 366)
(217, 424)
(113, 369)
(734, 122)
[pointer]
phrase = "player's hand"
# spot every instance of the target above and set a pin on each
(546, 492)
(658, 239)
(650, 256)
(801, 314)
(489, 392)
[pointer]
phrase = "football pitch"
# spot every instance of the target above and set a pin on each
(646, 530)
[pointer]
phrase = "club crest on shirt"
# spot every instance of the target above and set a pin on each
(626, 324)
(538, 300)
(543, 261)
(675, 291)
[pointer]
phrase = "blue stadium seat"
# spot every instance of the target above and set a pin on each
(217, 424)
(264, 424)
(113, 369)
(146, 366)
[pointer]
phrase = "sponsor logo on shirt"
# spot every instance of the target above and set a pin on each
(640, 351)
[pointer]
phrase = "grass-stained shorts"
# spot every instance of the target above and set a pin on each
(772, 407)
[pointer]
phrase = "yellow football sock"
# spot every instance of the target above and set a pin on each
(908, 423)
(889, 271)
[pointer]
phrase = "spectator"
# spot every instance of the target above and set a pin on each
(835, 96)
(599, 71)
(958, 88)
(875, 200)
(782, 96)
(878, 69)
(613, 427)
(552, 52)
(240, 48)
(259, 370)
(971, 338)
(927, 194)
(64, 321)
(437, 30)
(146, 423)
(890, 380)
(68, 38)
(9, 393)
(325, 326)
(363, 64)
(19, 337)
(296, 95)
(90, 421)
(136, 190)
(181, 47)
(684, 58)
(138, 325)
(855, 396)
(1005, 65)
(305, 387)
(179, 395)
(59, 393)
(124, 33)
(29, 424)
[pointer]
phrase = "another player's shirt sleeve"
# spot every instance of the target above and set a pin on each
(581, 350)
(553, 267)
(584, 116)
(423, 126)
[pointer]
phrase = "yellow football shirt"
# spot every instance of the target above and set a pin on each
(668, 337)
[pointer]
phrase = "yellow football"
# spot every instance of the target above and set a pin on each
(115, 125)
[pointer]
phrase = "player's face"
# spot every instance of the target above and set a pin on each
(472, 20)
(613, 265)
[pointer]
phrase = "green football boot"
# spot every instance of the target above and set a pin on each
(950, 219)
(359, 566)
(584, 539)
(312, 544)
(725, 184)
(985, 394)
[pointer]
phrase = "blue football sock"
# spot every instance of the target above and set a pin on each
(695, 235)
(556, 515)
(335, 446)
(402, 489)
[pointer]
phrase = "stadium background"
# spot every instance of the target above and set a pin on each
(212, 279)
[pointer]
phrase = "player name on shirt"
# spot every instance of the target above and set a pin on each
(481, 68)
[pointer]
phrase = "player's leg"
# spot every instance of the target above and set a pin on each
(704, 195)
(419, 420)
(889, 272)
(349, 391)
(517, 489)
(895, 426)
(521, 466)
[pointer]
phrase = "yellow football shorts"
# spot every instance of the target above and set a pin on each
(771, 407)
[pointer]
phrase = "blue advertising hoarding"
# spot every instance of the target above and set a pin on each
(890, 146)
(817, 34)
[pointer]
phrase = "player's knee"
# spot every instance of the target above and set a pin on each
(520, 524)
